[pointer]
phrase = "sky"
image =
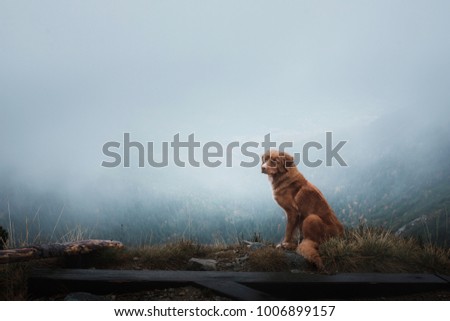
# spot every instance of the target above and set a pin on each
(76, 75)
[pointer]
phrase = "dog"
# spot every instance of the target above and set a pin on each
(305, 206)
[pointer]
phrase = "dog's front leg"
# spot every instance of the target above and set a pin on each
(292, 221)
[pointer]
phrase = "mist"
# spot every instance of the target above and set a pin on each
(76, 76)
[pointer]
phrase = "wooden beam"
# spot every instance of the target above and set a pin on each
(55, 250)
(239, 285)
(235, 290)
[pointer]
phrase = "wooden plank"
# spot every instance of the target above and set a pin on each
(244, 277)
(241, 285)
(444, 277)
(235, 290)
(55, 250)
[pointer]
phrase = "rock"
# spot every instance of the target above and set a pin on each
(254, 245)
(296, 261)
(202, 264)
(83, 296)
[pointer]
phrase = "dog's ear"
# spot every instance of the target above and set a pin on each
(285, 162)
(289, 161)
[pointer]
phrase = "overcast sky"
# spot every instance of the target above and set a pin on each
(77, 74)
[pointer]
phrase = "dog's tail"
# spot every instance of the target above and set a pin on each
(310, 251)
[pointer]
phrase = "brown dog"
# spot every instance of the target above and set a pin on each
(305, 206)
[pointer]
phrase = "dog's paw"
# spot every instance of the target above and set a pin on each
(287, 246)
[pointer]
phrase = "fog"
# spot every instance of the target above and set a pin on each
(75, 76)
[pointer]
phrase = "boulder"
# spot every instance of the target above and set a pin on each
(202, 264)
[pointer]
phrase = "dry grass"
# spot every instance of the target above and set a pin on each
(267, 259)
(367, 249)
(4, 235)
(13, 283)
(171, 256)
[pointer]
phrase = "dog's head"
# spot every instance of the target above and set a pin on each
(276, 163)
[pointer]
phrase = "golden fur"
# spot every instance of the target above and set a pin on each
(305, 206)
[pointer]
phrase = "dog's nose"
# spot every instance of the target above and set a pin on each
(263, 170)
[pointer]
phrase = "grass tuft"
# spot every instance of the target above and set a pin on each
(368, 249)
